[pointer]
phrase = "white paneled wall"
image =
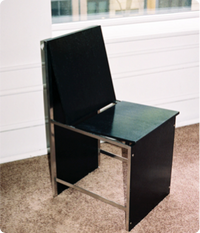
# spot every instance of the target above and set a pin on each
(158, 67)
(22, 125)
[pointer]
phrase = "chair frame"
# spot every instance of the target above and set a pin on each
(56, 180)
(130, 159)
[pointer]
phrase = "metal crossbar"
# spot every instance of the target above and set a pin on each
(114, 156)
(91, 194)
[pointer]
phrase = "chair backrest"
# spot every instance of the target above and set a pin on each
(79, 73)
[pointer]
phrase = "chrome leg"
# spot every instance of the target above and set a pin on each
(53, 158)
(128, 188)
(124, 170)
(99, 159)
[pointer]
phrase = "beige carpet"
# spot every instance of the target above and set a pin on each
(27, 205)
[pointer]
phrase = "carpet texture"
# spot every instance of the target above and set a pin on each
(27, 205)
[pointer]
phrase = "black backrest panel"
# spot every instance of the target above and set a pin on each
(80, 67)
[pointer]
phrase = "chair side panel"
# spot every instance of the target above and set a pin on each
(76, 156)
(151, 171)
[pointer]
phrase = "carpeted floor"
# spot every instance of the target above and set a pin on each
(27, 205)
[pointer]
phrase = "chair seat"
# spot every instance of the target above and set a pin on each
(127, 121)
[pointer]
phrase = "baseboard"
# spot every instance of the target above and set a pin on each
(187, 123)
(23, 156)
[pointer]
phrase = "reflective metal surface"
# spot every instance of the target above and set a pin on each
(114, 156)
(91, 194)
(127, 213)
(53, 156)
(49, 111)
(101, 137)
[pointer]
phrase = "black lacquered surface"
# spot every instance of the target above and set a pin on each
(151, 171)
(127, 121)
(79, 64)
(76, 156)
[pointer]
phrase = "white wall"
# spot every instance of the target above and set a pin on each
(157, 64)
(22, 127)
(152, 63)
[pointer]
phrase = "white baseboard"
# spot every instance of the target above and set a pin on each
(23, 156)
(22, 143)
(186, 123)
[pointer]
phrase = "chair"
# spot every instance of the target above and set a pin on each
(83, 111)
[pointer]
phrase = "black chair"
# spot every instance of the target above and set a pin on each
(83, 111)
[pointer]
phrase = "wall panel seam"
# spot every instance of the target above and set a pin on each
(152, 51)
(174, 99)
(20, 67)
(22, 125)
(24, 90)
(149, 37)
(142, 72)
